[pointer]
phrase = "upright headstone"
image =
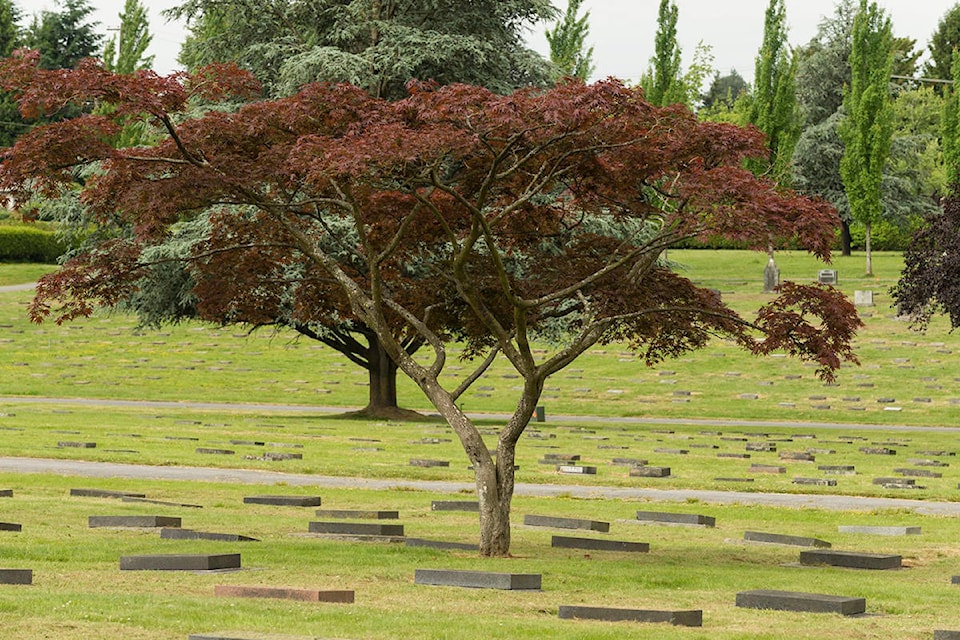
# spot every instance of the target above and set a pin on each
(771, 276)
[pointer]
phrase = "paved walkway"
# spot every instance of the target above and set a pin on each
(246, 476)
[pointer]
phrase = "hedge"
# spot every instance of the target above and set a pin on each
(29, 244)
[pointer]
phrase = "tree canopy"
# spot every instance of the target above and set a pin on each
(64, 37)
(567, 39)
(506, 216)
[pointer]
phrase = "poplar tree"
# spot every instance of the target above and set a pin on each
(125, 53)
(662, 82)
(567, 40)
(867, 129)
(775, 108)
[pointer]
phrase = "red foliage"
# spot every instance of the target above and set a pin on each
(498, 214)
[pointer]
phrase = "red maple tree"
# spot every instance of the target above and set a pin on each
(455, 211)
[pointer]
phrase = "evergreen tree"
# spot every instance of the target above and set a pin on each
(724, 90)
(950, 129)
(942, 44)
(567, 40)
(376, 45)
(775, 108)
(125, 52)
(64, 37)
(867, 130)
(662, 82)
(11, 124)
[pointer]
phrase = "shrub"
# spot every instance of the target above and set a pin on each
(19, 243)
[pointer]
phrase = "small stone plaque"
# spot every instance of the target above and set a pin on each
(104, 493)
(440, 544)
(689, 618)
(357, 514)
(777, 538)
(796, 601)
(478, 579)
(565, 523)
(356, 528)
(189, 534)
(880, 531)
(677, 518)
(302, 595)
(180, 562)
(455, 505)
(850, 559)
(594, 544)
(650, 472)
(16, 576)
(284, 501)
(133, 521)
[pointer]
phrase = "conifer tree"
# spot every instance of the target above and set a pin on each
(567, 40)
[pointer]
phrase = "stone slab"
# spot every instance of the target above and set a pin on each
(594, 544)
(16, 576)
(945, 634)
(180, 562)
(357, 514)
(677, 518)
(455, 505)
(851, 559)
(356, 528)
(104, 493)
(133, 521)
(689, 618)
(577, 469)
(777, 538)
(650, 472)
(422, 462)
(10, 526)
(284, 501)
(302, 595)
(190, 534)
(565, 523)
(160, 502)
(797, 601)
(478, 579)
(441, 544)
(245, 635)
(6, 493)
(880, 531)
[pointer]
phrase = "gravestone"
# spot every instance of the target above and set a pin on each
(189, 534)
(104, 493)
(357, 514)
(478, 579)
(645, 471)
(574, 469)
(423, 462)
(356, 528)
(880, 531)
(160, 502)
(827, 276)
(767, 468)
(816, 482)
(676, 518)
(455, 505)
(863, 298)
(797, 601)
(284, 501)
(301, 595)
(215, 452)
(16, 576)
(133, 521)
(945, 634)
(6, 493)
(851, 559)
(180, 562)
(688, 618)
(838, 469)
(594, 544)
(630, 462)
(10, 526)
(440, 544)
(771, 276)
(565, 523)
(776, 538)
(64, 444)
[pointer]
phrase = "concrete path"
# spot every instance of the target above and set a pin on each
(86, 469)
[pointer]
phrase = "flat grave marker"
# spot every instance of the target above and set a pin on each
(565, 523)
(180, 562)
(645, 471)
(880, 531)
(16, 576)
(797, 601)
(691, 519)
(455, 505)
(440, 544)
(478, 579)
(94, 522)
(356, 528)
(777, 538)
(357, 514)
(284, 501)
(687, 618)
(10, 526)
(851, 559)
(105, 493)
(594, 544)
(301, 595)
(168, 533)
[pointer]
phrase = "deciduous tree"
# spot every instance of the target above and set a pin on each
(126, 52)
(505, 216)
(567, 39)
(867, 130)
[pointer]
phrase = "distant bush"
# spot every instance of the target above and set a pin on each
(21, 243)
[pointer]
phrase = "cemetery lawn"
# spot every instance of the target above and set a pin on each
(893, 417)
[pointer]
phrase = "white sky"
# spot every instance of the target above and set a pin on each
(621, 31)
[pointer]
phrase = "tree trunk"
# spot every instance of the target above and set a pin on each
(866, 240)
(382, 375)
(494, 493)
(845, 240)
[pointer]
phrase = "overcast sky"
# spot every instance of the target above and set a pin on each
(622, 31)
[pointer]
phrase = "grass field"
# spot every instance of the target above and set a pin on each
(905, 386)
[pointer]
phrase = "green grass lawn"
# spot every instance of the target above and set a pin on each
(906, 381)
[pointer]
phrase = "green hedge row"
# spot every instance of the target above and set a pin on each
(29, 244)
